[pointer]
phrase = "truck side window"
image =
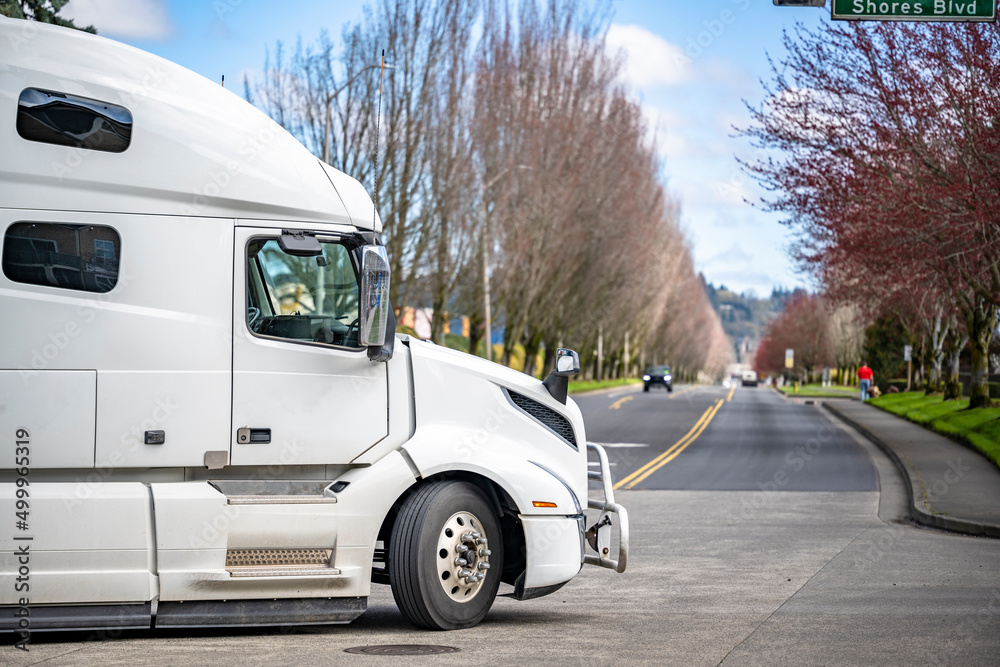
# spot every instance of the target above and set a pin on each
(311, 299)
(79, 257)
(71, 120)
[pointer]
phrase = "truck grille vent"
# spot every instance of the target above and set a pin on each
(549, 418)
(277, 557)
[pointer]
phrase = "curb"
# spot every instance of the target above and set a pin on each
(917, 511)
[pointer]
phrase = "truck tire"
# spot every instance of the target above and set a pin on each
(445, 556)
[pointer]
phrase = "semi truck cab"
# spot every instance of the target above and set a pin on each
(206, 416)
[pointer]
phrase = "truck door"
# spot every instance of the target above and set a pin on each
(304, 391)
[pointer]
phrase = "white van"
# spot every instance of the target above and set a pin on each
(206, 418)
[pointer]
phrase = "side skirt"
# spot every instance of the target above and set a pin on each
(194, 614)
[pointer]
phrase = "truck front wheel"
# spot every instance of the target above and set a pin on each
(445, 556)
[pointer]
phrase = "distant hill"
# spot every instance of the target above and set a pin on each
(745, 316)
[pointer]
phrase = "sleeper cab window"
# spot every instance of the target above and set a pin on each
(71, 120)
(76, 257)
(309, 299)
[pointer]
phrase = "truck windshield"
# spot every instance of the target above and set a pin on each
(302, 298)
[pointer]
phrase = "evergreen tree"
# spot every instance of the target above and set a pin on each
(44, 11)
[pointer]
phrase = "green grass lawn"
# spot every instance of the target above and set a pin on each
(819, 391)
(979, 428)
(591, 385)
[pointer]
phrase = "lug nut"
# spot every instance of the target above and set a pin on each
(484, 566)
(481, 540)
(484, 552)
(461, 562)
(465, 573)
(461, 548)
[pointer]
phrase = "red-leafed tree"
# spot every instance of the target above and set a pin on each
(804, 326)
(886, 140)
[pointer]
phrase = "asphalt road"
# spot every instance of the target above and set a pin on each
(754, 440)
(822, 570)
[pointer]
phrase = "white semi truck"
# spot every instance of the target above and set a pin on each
(206, 417)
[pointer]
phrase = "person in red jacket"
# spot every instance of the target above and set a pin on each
(865, 377)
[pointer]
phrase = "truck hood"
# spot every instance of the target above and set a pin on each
(458, 369)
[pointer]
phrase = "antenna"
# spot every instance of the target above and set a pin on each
(378, 125)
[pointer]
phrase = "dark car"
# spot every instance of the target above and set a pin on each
(657, 375)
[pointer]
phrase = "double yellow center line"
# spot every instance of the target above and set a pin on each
(672, 453)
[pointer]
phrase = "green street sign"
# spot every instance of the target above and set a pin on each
(915, 10)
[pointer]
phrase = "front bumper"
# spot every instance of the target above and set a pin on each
(600, 534)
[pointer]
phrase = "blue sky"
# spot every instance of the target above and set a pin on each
(690, 62)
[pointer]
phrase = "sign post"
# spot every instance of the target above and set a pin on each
(908, 358)
(914, 10)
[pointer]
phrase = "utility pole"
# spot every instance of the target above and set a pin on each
(628, 359)
(484, 238)
(600, 352)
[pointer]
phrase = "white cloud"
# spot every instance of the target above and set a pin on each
(734, 253)
(650, 59)
(131, 19)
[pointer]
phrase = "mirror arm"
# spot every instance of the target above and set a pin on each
(558, 386)
(380, 353)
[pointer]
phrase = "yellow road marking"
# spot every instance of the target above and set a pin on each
(669, 455)
(682, 392)
(621, 401)
(731, 392)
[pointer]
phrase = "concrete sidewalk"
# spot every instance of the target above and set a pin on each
(951, 486)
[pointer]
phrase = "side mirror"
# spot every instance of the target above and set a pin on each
(567, 365)
(567, 362)
(376, 319)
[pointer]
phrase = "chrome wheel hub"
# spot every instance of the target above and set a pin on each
(463, 556)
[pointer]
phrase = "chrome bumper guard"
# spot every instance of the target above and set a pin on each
(599, 535)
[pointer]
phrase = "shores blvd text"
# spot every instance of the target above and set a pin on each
(916, 8)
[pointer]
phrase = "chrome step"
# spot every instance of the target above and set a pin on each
(280, 500)
(284, 571)
(270, 558)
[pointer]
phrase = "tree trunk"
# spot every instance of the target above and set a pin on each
(475, 332)
(954, 345)
(531, 346)
(549, 362)
(938, 333)
(980, 321)
(508, 343)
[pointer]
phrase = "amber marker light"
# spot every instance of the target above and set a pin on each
(542, 503)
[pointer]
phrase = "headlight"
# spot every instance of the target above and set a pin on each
(645, 378)
(668, 378)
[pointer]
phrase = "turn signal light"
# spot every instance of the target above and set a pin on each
(542, 503)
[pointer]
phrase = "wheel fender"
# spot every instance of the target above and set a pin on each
(365, 502)
(503, 462)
